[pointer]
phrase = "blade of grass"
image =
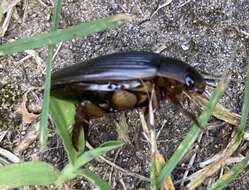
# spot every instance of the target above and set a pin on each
(224, 181)
(94, 179)
(245, 106)
(63, 112)
(230, 175)
(80, 30)
(192, 135)
(27, 173)
(56, 15)
(157, 160)
(45, 103)
(220, 112)
(153, 172)
(216, 165)
(160, 163)
(223, 156)
(152, 140)
(94, 153)
(69, 171)
(46, 94)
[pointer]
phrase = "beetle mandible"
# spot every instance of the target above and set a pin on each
(122, 81)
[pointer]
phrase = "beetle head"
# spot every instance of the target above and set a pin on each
(194, 82)
(185, 75)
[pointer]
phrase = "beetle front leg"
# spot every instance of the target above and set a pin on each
(84, 112)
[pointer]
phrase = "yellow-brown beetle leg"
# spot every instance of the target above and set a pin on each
(84, 112)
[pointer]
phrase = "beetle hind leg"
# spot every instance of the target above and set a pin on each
(84, 112)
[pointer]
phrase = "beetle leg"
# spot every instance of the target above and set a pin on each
(123, 100)
(84, 112)
(190, 115)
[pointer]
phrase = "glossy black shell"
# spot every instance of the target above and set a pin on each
(127, 66)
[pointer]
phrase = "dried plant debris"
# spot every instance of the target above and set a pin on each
(7, 157)
(31, 135)
(220, 111)
(6, 6)
(27, 117)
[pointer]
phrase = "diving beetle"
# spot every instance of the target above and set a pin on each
(121, 81)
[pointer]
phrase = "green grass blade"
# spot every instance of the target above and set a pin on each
(56, 15)
(57, 36)
(63, 112)
(153, 173)
(230, 175)
(45, 103)
(27, 173)
(192, 135)
(94, 153)
(245, 106)
(69, 171)
(237, 169)
(46, 94)
(94, 179)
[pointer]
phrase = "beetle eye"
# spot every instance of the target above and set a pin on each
(189, 81)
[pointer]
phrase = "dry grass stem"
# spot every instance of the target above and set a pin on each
(31, 136)
(220, 112)
(57, 50)
(191, 161)
(6, 22)
(6, 5)
(9, 155)
(2, 135)
(160, 7)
